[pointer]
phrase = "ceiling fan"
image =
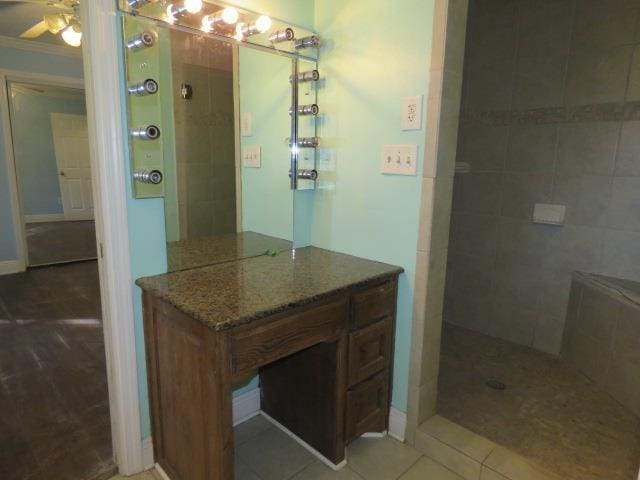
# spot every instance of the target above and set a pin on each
(66, 23)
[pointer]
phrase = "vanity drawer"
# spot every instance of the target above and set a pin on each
(368, 406)
(254, 347)
(373, 304)
(369, 350)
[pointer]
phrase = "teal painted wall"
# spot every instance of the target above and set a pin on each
(299, 12)
(376, 53)
(356, 209)
(36, 165)
(25, 61)
(265, 93)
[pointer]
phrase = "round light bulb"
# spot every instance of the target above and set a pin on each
(171, 18)
(72, 35)
(193, 6)
(239, 32)
(230, 15)
(263, 23)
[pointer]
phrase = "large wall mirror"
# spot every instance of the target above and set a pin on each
(210, 130)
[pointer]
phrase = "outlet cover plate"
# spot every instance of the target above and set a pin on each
(412, 113)
(246, 124)
(399, 160)
(251, 156)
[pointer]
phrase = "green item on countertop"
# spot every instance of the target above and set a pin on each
(272, 252)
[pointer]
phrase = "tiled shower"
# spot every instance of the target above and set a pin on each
(550, 115)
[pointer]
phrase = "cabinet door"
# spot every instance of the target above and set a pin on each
(369, 351)
(368, 406)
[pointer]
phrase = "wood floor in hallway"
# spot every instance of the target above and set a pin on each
(54, 410)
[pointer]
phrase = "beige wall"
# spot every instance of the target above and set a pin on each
(204, 134)
(551, 114)
(443, 108)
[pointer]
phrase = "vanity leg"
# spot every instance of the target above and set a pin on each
(219, 424)
(188, 368)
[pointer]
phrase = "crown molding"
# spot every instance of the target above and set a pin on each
(39, 47)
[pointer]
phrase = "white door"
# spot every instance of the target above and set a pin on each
(71, 144)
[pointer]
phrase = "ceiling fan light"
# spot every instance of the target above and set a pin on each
(72, 35)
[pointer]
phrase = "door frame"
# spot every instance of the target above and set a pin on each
(102, 82)
(17, 211)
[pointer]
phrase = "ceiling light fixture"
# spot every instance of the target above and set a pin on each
(72, 35)
(261, 25)
(228, 16)
(188, 6)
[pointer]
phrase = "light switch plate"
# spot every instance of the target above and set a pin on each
(412, 113)
(399, 160)
(246, 124)
(251, 156)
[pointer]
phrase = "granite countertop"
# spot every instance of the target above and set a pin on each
(234, 293)
(627, 289)
(203, 251)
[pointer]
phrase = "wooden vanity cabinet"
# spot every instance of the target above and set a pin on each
(325, 371)
(290, 385)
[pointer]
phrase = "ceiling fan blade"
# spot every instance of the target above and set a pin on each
(35, 31)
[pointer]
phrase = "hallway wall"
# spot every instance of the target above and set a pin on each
(18, 60)
(550, 114)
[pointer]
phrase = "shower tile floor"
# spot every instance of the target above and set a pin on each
(548, 413)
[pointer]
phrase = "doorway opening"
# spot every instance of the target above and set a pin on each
(53, 172)
(55, 417)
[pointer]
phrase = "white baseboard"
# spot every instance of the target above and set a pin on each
(245, 406)
(305, 445)
(47, 217)
(11, 266)
(147, 453)
(397, 424)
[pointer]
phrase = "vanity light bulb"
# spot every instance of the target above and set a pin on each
(72, 35)
(188, 6)
(193, 6)
(263, 23)
(229, 16)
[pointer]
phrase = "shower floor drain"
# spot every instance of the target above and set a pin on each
(496, 385)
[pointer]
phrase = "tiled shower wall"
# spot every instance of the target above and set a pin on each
(550, 114)
(204, 136)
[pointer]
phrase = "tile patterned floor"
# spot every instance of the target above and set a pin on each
(53, 385)
(55, 242)
(549, 413)
(263, 452)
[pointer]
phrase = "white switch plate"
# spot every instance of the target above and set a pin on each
(399, 159)
(246, 125)
(251, 156)
(412, 113)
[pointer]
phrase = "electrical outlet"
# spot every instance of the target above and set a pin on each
(412, 113)
(251, 156)
(399, 159)
(246, 125)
